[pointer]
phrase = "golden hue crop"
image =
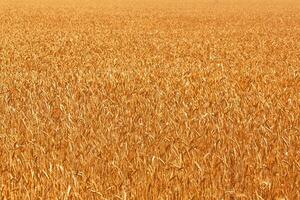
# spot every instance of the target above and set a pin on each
(150, 99)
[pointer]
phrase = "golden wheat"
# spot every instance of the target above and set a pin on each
(150, 100)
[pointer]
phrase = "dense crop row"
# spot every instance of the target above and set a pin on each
(169, 102)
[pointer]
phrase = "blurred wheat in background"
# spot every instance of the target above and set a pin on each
(150, 99)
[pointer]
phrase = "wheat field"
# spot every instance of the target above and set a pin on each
(145, 99)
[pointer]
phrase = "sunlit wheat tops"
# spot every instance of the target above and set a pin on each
(150, 99)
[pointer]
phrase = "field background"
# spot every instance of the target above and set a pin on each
(150, 99)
